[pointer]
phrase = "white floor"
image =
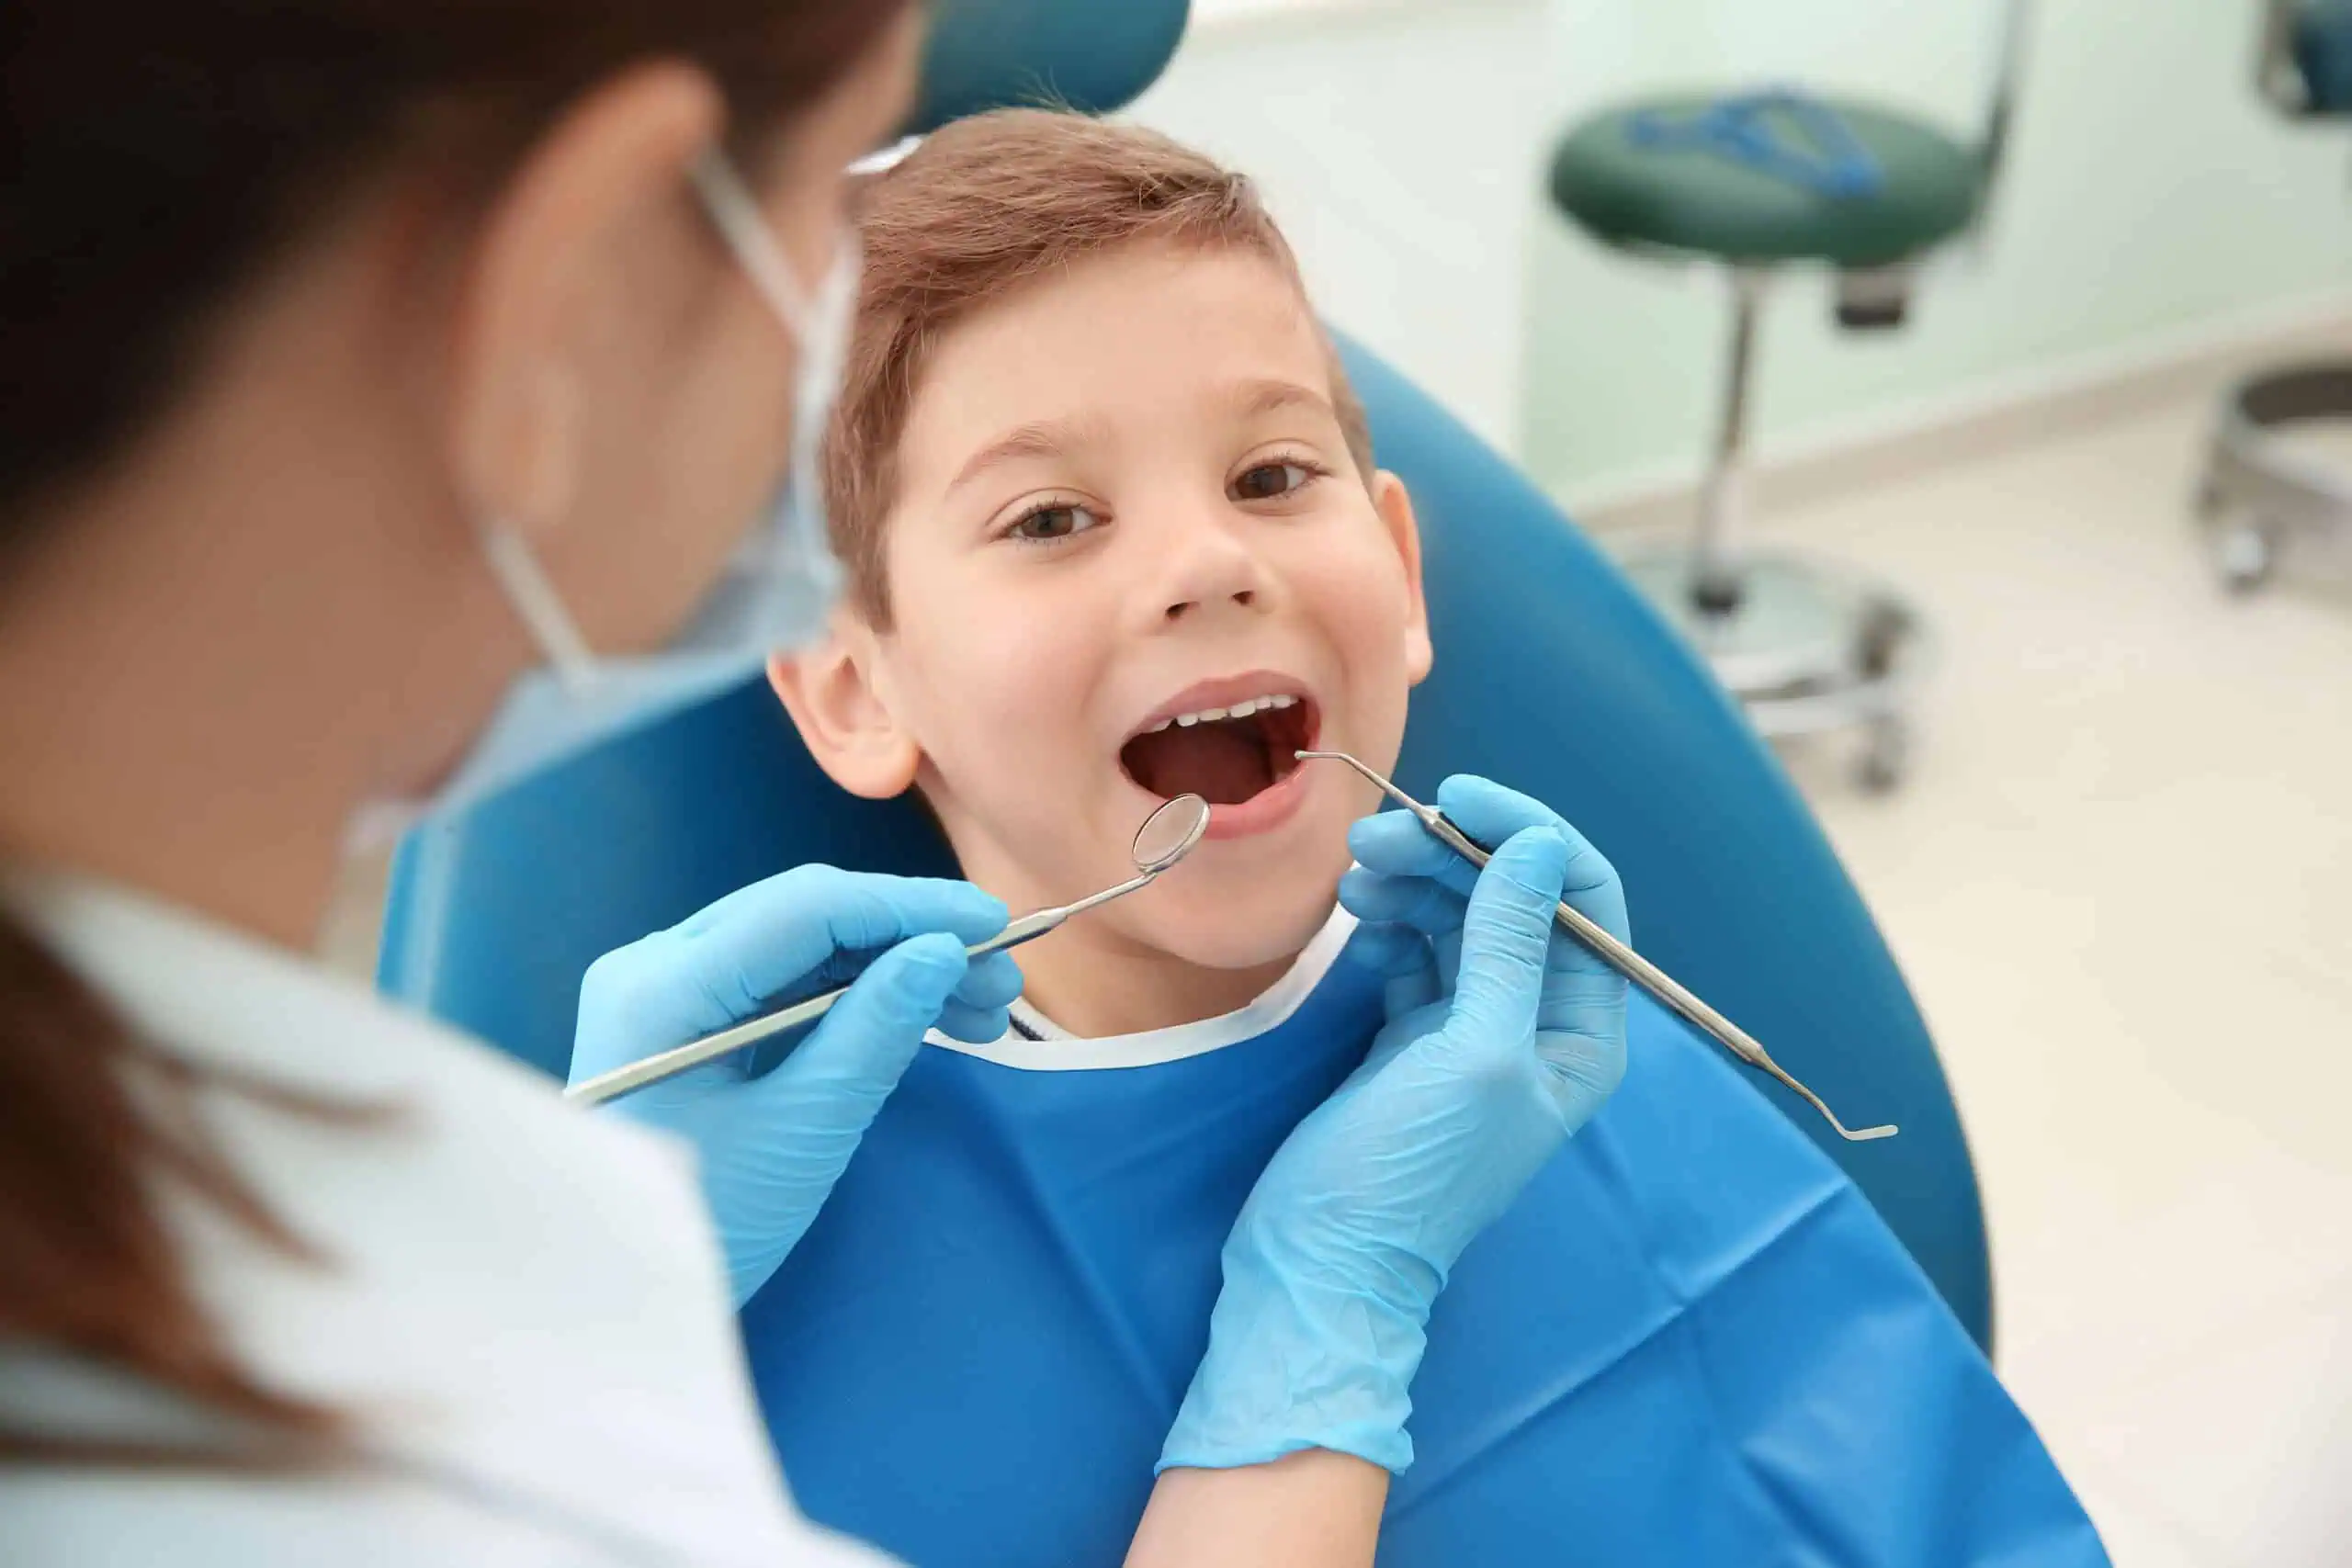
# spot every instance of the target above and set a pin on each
(2120, 881)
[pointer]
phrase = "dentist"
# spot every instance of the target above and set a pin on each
(376, 368)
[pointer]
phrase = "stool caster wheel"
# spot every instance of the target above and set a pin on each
(1886, 756)
(2244, 553)
(1886, 631)
(2210, 503)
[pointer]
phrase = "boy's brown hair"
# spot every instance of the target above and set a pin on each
(980, 209)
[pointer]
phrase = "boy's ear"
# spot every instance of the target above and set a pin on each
(1388, 494)
(829, 692)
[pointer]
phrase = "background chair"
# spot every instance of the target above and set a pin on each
(1756, 184)
(2259, 495)
(1552, 675)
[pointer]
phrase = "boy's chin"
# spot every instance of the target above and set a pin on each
(1246, 932)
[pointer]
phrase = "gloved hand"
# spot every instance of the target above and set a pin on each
(1504, 1037)
(771, 1148)
(1411, 893)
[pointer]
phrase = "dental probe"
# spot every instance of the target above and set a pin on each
(1617, 954)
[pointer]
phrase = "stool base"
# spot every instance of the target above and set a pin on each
(2258, 495)
(1806, 648)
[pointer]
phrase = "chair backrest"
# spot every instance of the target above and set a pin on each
(1552, 675)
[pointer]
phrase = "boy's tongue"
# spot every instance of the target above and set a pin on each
(1224, 762)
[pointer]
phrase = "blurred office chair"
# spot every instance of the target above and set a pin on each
(2258, 494)
(1757, 183)
(1552, 675)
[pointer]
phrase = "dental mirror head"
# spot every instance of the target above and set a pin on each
(1169, 834)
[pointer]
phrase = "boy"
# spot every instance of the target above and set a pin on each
(1115, 533)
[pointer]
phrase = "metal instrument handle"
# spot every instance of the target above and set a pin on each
(1617, 956)
(710, 1047)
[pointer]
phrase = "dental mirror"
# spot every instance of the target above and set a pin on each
(1167, 836)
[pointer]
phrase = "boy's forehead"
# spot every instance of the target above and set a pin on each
(1143, 332)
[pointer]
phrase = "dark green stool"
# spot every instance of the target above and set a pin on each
(1757, 185)
(2260, 494)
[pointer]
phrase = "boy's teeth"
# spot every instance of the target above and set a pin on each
(1242, 709)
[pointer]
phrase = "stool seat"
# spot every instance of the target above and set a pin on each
(1627, 187)
(2321, 47)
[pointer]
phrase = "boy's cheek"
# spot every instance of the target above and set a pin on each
(1004, 688)
(1374, 615)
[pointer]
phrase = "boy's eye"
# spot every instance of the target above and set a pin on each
(1057, 520)
(1269, 481)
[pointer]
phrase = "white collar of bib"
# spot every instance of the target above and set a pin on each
(1036, 1044)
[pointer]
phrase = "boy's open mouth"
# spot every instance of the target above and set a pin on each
(1225, 755)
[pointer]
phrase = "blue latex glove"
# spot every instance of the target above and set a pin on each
(1411, 893)
(772, 1145)
(1504, 1037)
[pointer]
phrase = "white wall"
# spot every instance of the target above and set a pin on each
(1398, 145)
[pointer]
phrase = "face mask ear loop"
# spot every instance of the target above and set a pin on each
(834, 316)
(820, 326)
(736, 214)
(536, 604)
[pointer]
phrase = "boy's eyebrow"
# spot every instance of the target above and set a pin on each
(1268, 395)
(1053, 438)
(1049, 438)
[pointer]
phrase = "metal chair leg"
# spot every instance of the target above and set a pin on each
(1714, 581)
(2260, 496)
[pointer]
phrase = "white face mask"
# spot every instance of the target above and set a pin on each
(777, 592)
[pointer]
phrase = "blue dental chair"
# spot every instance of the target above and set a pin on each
(1553, 675)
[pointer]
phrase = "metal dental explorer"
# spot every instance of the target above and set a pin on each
(1167, 836)
(1616, 954)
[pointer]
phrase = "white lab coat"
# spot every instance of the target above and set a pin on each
(523, 1305)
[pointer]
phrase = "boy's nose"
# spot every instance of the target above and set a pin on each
(1208, 569)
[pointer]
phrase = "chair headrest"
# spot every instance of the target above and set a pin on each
(1080, 54)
